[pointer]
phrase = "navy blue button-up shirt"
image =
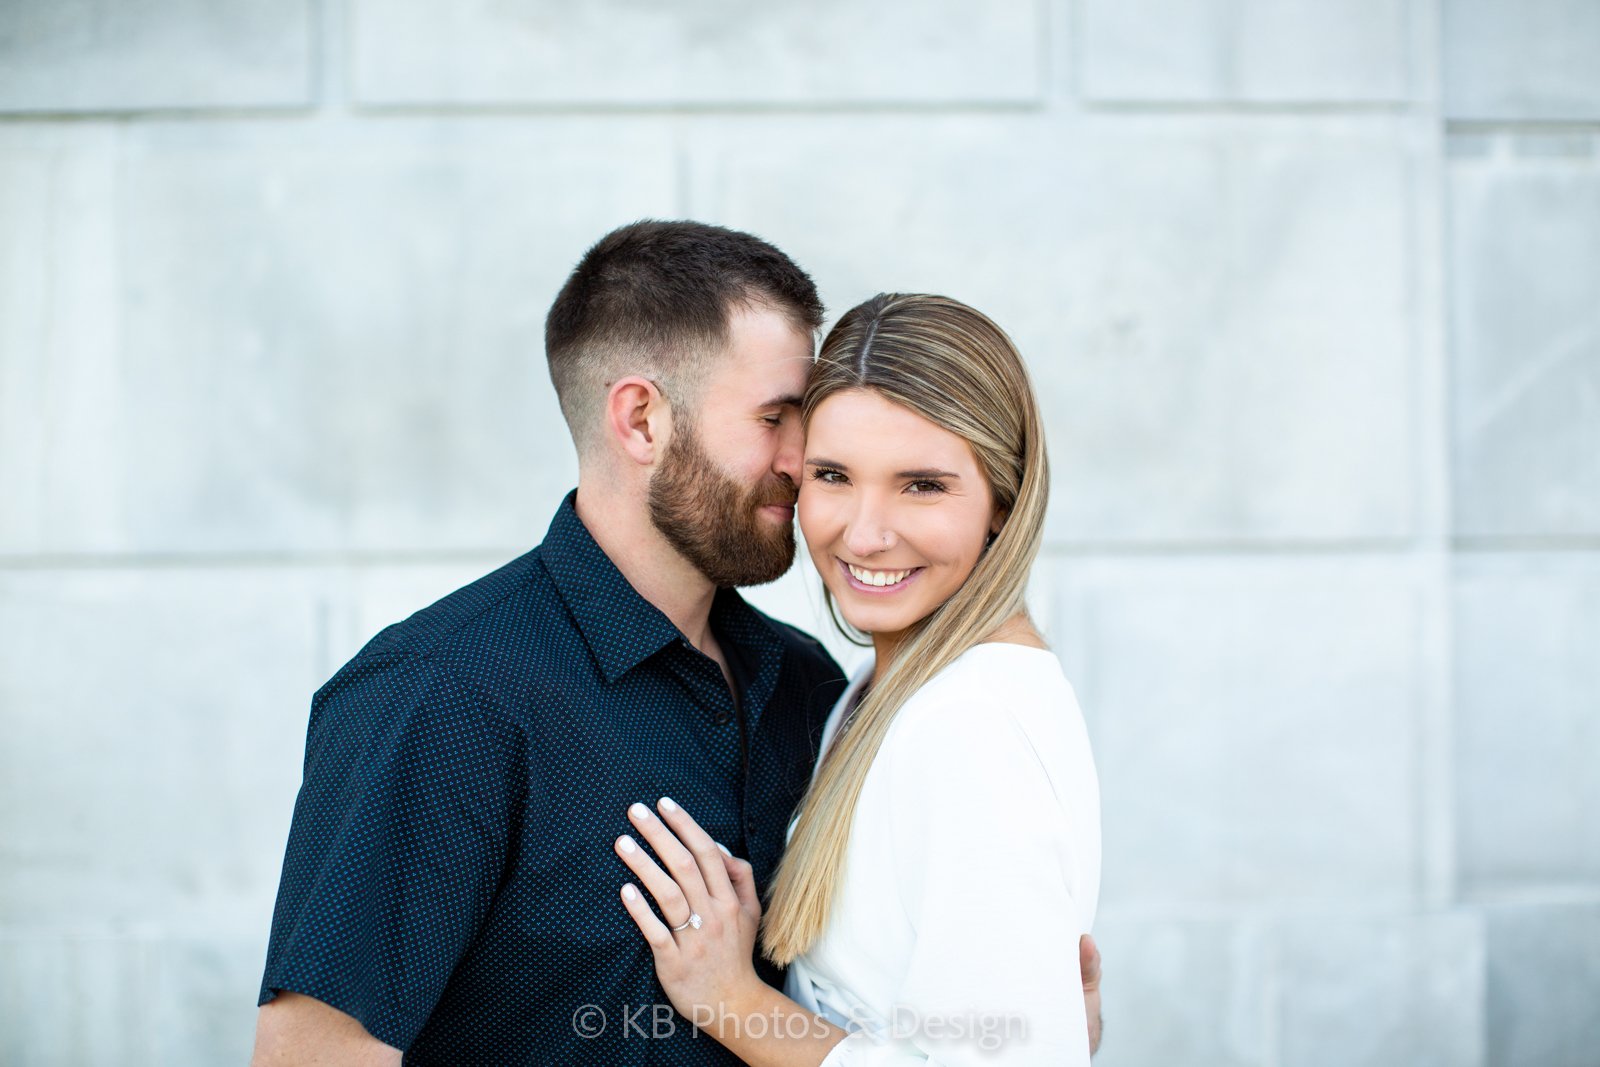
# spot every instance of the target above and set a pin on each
(449, 879)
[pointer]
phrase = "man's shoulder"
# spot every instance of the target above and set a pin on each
(477, 612)
(442, 660)
(485, 619)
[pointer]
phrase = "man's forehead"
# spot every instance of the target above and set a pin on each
(780, 379)
(766, 352)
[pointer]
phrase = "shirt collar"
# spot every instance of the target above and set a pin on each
(622, 628)
(737, 623)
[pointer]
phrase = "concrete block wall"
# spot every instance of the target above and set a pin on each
(1309, 291)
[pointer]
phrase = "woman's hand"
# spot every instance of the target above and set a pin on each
(706, 967)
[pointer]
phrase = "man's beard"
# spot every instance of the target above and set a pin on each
(715, 522)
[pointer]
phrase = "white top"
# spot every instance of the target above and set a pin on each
(972, 870)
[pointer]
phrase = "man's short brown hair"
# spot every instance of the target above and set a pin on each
(654, 298)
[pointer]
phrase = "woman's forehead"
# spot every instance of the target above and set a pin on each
(879, 431)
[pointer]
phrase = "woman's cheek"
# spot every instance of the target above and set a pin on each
(808, 520)
(815, 517)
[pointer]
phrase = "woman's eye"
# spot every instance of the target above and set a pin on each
(927, 487)
(827, 476)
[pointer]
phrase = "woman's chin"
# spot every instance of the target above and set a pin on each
(871, 621)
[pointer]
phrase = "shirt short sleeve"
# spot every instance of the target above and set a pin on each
(398, 843)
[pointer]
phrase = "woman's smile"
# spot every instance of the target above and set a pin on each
(877, 582)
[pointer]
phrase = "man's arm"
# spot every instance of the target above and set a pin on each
(293, 1030)
(396, 849)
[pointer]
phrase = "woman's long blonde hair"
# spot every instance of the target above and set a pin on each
(953, 366)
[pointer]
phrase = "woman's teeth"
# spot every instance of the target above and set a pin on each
(866, 577)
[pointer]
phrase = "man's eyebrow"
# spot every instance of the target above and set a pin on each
(787, 400)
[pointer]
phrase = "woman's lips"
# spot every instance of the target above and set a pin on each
(876, 590)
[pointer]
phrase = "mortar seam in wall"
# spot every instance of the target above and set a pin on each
(682, 170)
(1045, 47)
(695, 108)
(254, 112)
(1432, 679)
(1493, 126)
(1394, 550)
(1249, 108)
(588, 110)
(401, 557)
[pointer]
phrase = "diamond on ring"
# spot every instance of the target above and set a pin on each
(693, 920)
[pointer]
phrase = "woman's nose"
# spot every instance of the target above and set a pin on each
(866, 535)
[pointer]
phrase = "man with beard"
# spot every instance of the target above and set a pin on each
(449, 888)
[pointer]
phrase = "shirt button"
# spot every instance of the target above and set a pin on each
(722, 718)
(750, 827)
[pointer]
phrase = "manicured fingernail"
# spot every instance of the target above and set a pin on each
(627, 843)
(724, 849)
(630, 892)
(667, 805)
(639, 811)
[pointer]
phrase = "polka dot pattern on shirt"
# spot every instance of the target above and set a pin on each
(449, 879)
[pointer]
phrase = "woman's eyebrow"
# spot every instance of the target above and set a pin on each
(927, 473)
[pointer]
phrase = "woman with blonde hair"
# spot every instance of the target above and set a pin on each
(946, 858)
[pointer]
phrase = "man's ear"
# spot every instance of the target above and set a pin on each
(638, 418)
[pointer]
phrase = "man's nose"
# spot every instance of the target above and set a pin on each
(790, 457)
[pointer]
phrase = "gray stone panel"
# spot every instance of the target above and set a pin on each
(1216, 315)
(1524, 268)
(1184, 992)
(1544, 985)
(75, 1001)
(71, 1001)
(155, 728)
(1528, 59)
(1360, 992)
(60, 470)
(202, 999)
(1256, 730)
(1527, 688)
(1260, 51)
(104, 55)
(617, 52)
(336, 342)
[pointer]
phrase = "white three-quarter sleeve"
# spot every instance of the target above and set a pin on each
(985, 857)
